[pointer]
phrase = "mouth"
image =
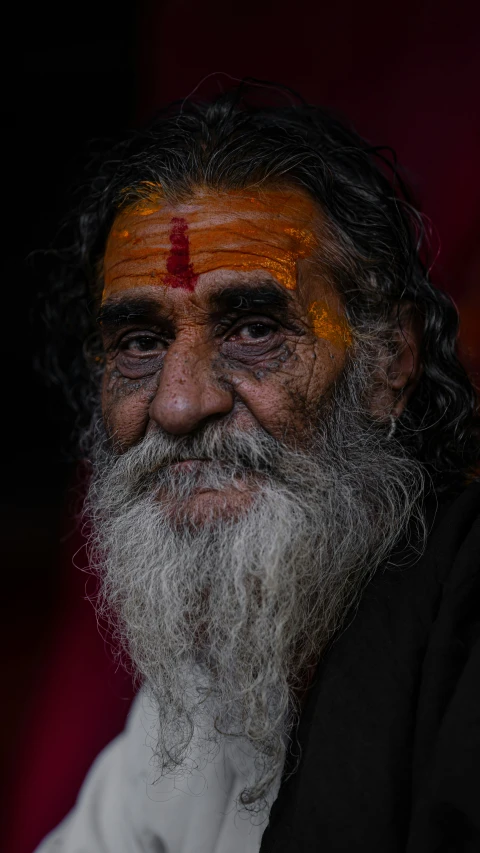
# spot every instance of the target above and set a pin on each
(189, 465)
(204, 488)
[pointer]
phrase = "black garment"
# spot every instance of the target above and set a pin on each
(390, 734)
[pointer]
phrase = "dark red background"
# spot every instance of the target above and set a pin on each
(408, 75)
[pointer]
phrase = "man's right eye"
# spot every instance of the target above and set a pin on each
(142, 343)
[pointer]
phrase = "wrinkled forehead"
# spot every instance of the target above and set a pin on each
(153, 241)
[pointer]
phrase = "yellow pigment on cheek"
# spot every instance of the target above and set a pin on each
(329, 326)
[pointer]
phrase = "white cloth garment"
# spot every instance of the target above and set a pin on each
(119, 810)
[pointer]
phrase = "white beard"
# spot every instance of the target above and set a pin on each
(224, 620)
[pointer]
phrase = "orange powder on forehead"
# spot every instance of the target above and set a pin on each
(153, 242)
(330, 326)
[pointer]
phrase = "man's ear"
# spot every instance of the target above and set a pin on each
(400, 374)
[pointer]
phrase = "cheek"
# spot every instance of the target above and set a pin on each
(272, 395)
(125, 407)
(284, 398)
(272, 406)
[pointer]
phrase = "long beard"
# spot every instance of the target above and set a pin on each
(224, 620)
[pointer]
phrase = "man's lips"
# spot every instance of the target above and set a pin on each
(188, 464)
(196, 464)
(235, 481)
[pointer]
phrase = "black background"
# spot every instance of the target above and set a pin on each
(68, 79)
(406, 75)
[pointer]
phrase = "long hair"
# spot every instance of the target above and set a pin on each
(380, 264)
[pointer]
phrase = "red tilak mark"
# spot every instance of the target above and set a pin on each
(179, 269)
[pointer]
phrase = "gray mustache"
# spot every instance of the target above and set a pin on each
(252, 452)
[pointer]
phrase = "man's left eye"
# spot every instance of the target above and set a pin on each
(253, 331)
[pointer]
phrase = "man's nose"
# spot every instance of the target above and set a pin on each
(188, 393)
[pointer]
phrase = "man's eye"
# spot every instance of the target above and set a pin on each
(253, 331)
(142, 343)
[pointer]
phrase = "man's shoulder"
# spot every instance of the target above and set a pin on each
(455, 535)
(390, 732)
(418, 578)
(416, 597)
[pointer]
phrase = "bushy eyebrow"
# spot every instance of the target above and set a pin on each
(247, 298)
(116, 313)
(113, 313)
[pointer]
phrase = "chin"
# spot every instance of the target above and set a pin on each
(209, 506)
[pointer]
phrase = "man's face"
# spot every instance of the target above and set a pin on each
(214, 309)
(224, 345)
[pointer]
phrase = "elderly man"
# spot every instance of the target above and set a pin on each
(283, 504)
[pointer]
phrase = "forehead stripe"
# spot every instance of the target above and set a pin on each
(157, 243)
(179, 269)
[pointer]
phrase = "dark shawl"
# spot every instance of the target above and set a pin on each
(390, 734)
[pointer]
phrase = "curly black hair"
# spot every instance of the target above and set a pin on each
(380, 263)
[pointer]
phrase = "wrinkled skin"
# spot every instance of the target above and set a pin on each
(176, 361)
